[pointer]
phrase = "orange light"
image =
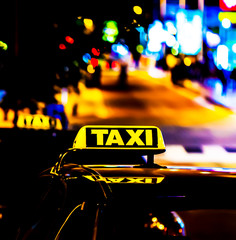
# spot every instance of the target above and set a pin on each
(69, 39)
(62, 46)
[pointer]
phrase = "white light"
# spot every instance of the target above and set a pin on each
(64, 96)
(222, 56)
(234, 48)
(218, 88)
(226, 23)
(189, 31)
(120, 49)
(230, 3)
(171, 28)
(212, 39)
(156, 36)
(170, 41)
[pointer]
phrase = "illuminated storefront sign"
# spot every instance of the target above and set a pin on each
(231, 16)
(189, 31)
(228, 5)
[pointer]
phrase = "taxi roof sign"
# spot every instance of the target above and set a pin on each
(38, 121)
(144, 138)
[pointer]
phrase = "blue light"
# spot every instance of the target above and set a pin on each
(2, 94)
(121, 49)
(86, 57)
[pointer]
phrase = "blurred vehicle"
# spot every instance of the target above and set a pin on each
(105, 188)
(38, 121)
(57, 111)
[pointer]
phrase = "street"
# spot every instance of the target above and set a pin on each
(144, 100)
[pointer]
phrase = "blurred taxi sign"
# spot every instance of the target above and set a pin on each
(120, 137)
(38, 121)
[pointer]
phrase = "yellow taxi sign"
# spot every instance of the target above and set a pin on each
(120, 137)
(38, 121)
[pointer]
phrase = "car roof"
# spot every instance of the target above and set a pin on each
(99, 157)
(135, 185)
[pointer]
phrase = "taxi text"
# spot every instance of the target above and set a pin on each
(122, 137)
(138, 180)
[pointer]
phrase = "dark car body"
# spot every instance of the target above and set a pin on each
(102, 194)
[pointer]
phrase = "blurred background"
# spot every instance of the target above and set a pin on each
(168, 63)
(65, 64)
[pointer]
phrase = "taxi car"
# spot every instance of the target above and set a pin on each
(38, 121)
(107, 186)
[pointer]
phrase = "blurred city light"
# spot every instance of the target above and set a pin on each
(139, 48)
(110, 31)
(226, 23)
(234, 48)
(156, 36)
(170, 41)
(86, 57)
(94, 62)
(171, 61)
(189, 31)
(3, 46)
(62, 46)
(64, 96)
(90, 69)
(69, 39)
(222, 56)
(95, 52)
(121, 49)
(171, 27)
(187, 61)
(89, 26)
(147, 38)
(228, 5)
(230, 16)
(2, 94)
(138, 10)
(88, 23)
(212, 39)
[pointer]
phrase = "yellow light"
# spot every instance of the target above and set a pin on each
(160, 226)
(171, 61)
(3, 45)
(138, 10)
(154, 219)
(229, 15)
(90, 68)
(139, 48)
(88, 23)
(188, 84)
(174, 51)
(187, 61)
